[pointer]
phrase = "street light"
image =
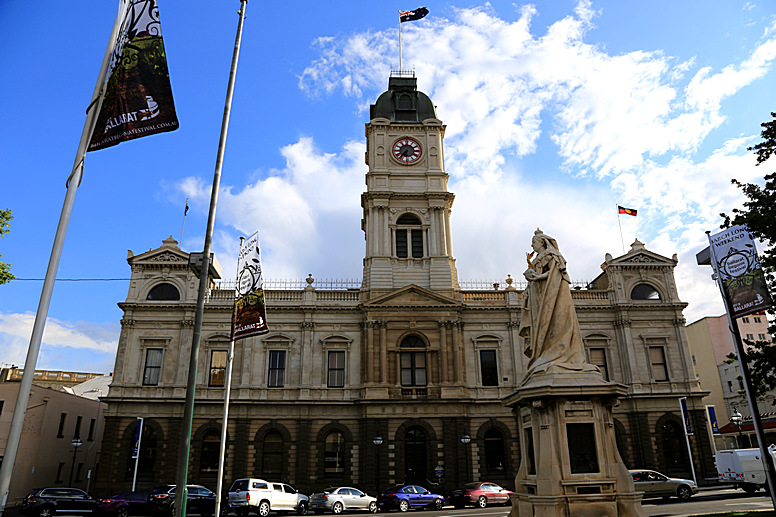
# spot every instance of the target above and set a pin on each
(737, 418)
(465, 439)
(378, 441)
(76, 443)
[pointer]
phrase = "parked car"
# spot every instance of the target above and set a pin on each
(46, 502)
(122, 505)
(481, 494)
(262, 497)
(340, 499)
(199, 500)
(404, 497)
(655, 484)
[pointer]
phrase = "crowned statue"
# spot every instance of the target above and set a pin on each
(549, 322)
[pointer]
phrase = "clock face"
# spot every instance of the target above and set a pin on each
(407, 150)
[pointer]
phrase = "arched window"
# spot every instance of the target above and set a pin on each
(405, 102)
(333, 451)
(413, 363)
(164, 291)
(409, 237)
(644, 292)
(415, 461)
(272, 450)
(494, 450)
(211, 448)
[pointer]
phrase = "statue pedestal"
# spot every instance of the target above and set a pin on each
(570, 466)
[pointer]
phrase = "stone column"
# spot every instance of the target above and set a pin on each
(383, 352)
(443, 351)
(460, 374)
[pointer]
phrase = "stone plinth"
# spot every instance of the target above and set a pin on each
(570, 466)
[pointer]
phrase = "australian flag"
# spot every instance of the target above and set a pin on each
(408, 16)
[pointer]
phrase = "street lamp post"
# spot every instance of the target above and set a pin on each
(465, 439)
(378, 441)
(76, 443)
(737, 418)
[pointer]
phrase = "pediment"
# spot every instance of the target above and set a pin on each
(639, 256)
(413, 296)
(167, 253)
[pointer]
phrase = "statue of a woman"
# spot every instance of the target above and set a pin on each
(549, 322)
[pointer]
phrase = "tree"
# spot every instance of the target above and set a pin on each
(759, 215)
(5, 269)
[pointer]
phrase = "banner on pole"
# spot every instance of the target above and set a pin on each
(138, 437)
(137, 98)
(249, 317)
(685, 416)
(738, 267)
(711, 413)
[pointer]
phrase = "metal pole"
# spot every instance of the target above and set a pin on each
(222, 450)
(23, 397)
(72, 466)
(137, 450)
(185, 442)
(687, 437)
(770, 471)
(399, 42)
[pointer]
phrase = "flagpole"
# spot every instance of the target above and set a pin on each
(185, 442)
(73, 181)
(622, 241)
(185, 211)
(400, 42)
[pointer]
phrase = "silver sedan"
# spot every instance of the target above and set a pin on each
(341, 499)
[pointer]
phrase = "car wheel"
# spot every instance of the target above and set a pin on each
(336, 509)
(301, 509)
(750, 489)
(459, 506)
(482, 502)
(46, 511)
(263, 509)
(121, 512)
(404, 505)
(373, 507)
(683, 493)
(438, 504)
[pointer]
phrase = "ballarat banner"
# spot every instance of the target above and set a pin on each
(249, 315)
(137, 98)
(738, 267)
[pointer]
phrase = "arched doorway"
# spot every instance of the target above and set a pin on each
(415, 464)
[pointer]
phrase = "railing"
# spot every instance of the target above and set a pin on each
(337, 296)
(284, 296)
(484, 296)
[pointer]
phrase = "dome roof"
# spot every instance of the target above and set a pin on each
(403, 102)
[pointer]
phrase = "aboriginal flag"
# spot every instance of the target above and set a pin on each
(628, 211)
(408, 16)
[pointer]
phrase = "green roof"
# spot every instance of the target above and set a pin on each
(403, 102)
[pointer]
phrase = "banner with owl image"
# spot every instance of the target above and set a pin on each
(137, 96)
(249, 317)
(738, 267)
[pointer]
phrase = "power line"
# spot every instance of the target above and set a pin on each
(75, 279)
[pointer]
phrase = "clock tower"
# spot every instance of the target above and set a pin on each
(406, 205)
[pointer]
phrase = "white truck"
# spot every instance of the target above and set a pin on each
(744, 468)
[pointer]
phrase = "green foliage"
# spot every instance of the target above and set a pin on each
(767, 147)
(5, 269)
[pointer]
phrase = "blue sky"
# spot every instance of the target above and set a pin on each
(556, 112)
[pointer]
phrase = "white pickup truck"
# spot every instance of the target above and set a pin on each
(257, 496)
(744, 468)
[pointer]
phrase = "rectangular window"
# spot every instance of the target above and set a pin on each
(529, 445)
(277, 368)
(657, 360)
(757, 319)
(583, 457)
(761, 337)
(77, 432)
(92, 423)
(741, 383)
(413, 368)
(417, 243)
(61, 432)
(750, 337)
(745, 319)
(217, 368)
(597, 357)
(60, 468)
(730, 386)
(1, 406)
(336, 378)
(153, 367)
(401, 243)
(488, 367)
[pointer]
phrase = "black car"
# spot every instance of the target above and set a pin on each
(200, 500)
(46, 502)
(123, 505)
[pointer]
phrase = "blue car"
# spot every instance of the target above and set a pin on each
(404, 497)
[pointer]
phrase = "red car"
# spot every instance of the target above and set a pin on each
(481, 494)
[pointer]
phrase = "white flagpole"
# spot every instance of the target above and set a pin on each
(23, 397)
(191, 384)
(222, 451)
(622, 241)
(400, 42)
(137, 450)
(184, 219)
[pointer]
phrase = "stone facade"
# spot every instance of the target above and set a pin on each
(408, 356)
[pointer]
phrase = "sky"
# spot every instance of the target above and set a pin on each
(556, 112)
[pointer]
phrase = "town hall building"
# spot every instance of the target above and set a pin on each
(400, 379)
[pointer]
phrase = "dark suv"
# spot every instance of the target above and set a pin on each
(45, 502)
(200, 500)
